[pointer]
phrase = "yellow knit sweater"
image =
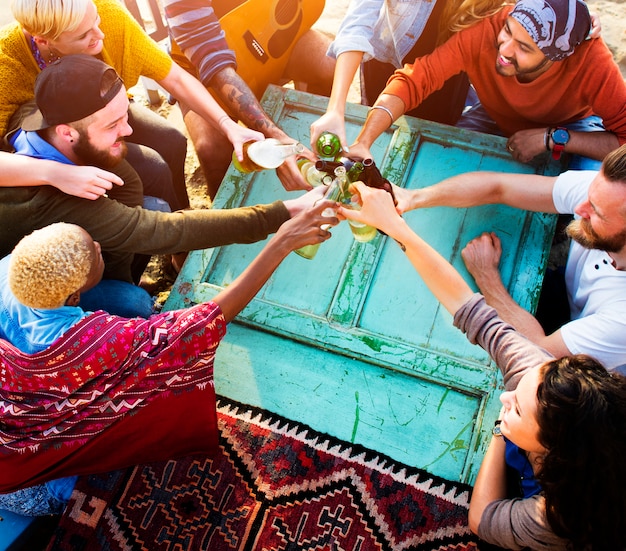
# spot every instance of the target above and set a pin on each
(127, 48)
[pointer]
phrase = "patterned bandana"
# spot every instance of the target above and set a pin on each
(556, 26)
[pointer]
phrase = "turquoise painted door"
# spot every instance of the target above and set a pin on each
(352, 342)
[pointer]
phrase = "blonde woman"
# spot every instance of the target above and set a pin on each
(46, 30)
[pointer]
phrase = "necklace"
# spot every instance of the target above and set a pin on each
(39, 58)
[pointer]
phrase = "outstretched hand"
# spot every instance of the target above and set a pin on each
(305, 201)
(238, 135)
(329, 122)
(305, 228)
(289, 173)
(359, 152)
(377, 208)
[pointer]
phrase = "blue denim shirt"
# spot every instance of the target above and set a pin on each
(384, 30)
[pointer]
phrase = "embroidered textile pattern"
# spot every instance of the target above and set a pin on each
(276, 485)
(100, 370)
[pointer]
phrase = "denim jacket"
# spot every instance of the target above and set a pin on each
(384, 30)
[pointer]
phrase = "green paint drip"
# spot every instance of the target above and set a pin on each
(356, 417)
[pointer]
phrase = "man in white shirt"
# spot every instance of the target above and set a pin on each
(595, 274)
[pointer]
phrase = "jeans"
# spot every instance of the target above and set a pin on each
(157, 151)
(476, 118)
(44, 499)
(119, 298)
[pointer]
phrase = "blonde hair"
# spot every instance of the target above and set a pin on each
(461, 14)
(49, 18)
(50, 264)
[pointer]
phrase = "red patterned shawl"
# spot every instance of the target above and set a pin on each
(88, 402)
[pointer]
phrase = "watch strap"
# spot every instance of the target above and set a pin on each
(496, 428)
(557, 148)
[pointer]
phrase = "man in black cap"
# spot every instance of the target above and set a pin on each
(89, 124)
(83, 115)
(539, 83)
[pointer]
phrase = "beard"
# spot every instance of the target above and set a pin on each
(582, 232)
(90, 155)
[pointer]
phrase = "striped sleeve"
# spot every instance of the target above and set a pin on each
(197, 31)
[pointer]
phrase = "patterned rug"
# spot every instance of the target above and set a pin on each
(276, 485)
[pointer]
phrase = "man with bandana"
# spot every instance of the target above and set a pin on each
(595, 273)
(538, 81)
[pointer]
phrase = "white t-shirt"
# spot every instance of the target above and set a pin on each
(596, 290)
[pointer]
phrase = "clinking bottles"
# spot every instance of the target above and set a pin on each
(265, 154)
(311, 174)
(337, 190)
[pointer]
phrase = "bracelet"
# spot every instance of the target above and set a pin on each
(222, 119)
(385, 109)
(546, 138)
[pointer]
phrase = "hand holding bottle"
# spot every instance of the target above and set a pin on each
(330, 122)
(265, 154)
(377, 209)
(238, 135)
(307, 227)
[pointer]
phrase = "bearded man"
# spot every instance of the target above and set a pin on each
(82, 118)
(538, 81)
(595, 273)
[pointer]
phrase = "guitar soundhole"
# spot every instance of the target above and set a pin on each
(286, 11)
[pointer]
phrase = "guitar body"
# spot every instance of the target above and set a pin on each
(262, 33)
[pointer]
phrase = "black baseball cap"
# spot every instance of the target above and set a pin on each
(71, 89)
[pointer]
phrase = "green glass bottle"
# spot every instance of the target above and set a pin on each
(355, 171)
(328, 145)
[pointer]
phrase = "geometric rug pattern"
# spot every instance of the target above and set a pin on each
(274, 485)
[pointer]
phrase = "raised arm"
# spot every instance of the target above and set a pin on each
(524, 191)
(233, 92)
(303, 229)
(193, 93)
(380, 117)
(482, 258)
(440, 276)
(334, 118)
(198, 33)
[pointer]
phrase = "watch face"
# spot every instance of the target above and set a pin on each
(560, 136)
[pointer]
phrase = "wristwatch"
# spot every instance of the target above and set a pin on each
(560, 137)
(496, 428)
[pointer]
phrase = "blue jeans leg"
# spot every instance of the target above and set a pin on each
(35, 501)
(119, 298)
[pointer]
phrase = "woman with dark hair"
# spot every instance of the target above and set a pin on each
(562, 433)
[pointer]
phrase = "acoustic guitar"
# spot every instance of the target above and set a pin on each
(262, 33)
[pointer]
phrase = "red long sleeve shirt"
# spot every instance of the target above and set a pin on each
(585, 83)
